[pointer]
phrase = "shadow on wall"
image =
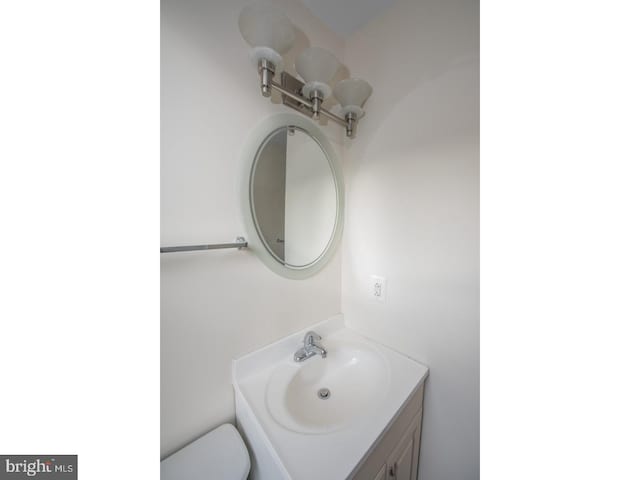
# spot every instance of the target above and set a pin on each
(436, 39)
(447, 107)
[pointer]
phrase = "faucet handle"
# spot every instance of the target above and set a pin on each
(311, 337)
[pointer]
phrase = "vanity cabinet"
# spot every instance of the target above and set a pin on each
(395, 455)
(403, 463)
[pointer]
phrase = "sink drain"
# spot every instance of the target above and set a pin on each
(324, 393)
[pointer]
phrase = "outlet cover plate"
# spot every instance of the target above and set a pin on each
(378, 288)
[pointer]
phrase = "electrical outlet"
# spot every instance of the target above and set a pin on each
(378, 288)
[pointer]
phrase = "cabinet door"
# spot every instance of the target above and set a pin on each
(382, 474)
(403, 462)
(401, 468)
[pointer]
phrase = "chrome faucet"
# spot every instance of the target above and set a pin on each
(310, 348)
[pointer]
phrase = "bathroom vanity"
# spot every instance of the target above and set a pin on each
(395, 453)
(355, 413)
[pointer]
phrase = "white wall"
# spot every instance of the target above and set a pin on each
(217, 305)
(413, 212)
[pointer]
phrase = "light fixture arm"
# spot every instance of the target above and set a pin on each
(307, 103)
(312, 107)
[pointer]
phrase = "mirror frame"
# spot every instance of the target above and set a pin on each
(250, 150)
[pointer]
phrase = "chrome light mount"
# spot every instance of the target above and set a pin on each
(352, 122)
(266, 70)
(291, 89)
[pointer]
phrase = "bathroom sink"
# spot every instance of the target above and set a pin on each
(322, 395)
(316, 419)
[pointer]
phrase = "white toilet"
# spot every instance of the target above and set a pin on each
(219, 455)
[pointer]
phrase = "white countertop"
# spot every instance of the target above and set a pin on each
(332, 455)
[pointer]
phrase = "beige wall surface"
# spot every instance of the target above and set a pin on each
(413, 212)
(218, 305)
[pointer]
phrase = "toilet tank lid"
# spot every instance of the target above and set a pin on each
(219, 454)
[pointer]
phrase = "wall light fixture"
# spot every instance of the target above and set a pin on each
(271, 34)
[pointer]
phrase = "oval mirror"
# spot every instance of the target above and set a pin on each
(295, 197)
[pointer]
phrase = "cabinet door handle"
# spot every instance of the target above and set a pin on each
(393, 469)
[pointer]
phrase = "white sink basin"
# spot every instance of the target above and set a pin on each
(356, 375)
(292, 433)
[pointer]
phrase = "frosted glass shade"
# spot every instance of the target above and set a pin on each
(317, 67)
(352, 93)
(266, 26)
